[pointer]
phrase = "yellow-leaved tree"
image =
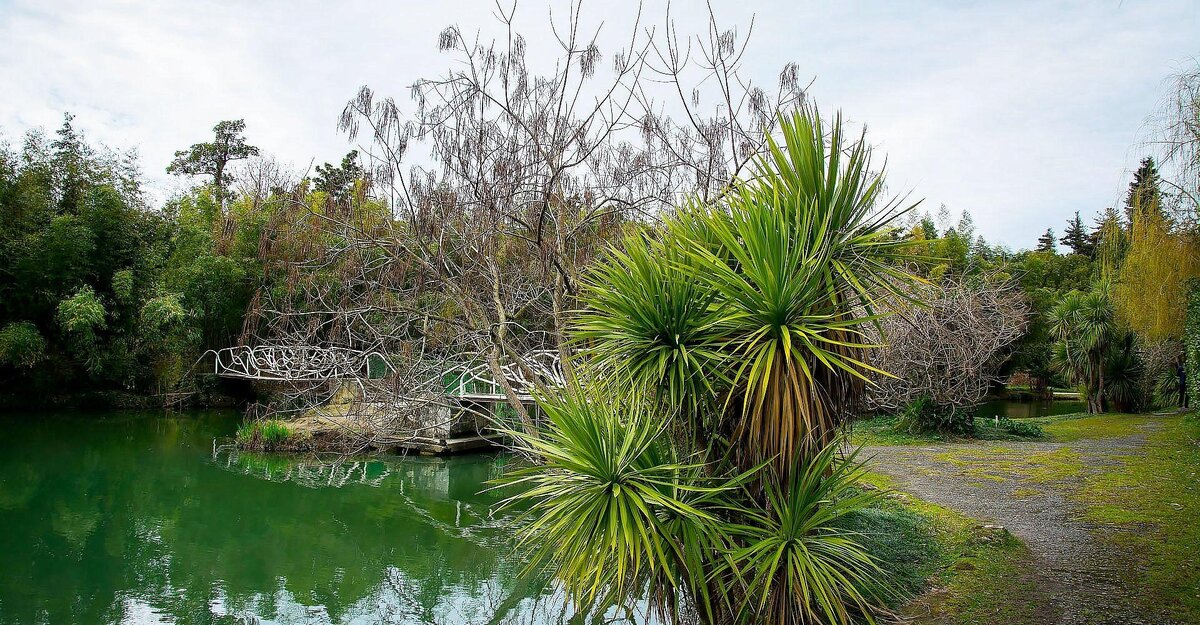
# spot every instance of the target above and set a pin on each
(1150, 294)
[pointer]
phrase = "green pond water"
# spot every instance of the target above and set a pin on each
(1024, 409)
(134, 519)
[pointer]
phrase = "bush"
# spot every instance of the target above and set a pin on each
(21, 345)
(1020, 428)
(1191, 344)
(904, 543)
(924, 415)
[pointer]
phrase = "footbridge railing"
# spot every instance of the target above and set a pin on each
(296, 363)
(302, 363)
(477, 383)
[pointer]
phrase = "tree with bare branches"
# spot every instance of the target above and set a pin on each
(946, 350)
(504, 182)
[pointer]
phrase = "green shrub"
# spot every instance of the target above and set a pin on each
(21, 345)
(924, 415)
(902, 541)
(1021, 428)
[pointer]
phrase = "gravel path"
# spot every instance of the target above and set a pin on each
(1084, 578)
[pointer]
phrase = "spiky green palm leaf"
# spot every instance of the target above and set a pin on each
(798, 564)
(822, 171)
(612, 509)
(648, 326)
(1085, 326)
(757, 303)
(780, 333)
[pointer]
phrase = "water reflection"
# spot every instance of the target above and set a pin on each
(135, 520)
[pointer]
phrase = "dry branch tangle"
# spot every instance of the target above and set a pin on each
(948, 346)
(288, 363)
(502, 184)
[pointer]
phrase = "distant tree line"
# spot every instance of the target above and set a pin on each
(104, 298)
(103, 294)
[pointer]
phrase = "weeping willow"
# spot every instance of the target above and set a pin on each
(1150, 295)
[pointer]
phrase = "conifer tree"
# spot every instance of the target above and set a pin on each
(1046, 241)
(1077, 238)
(1144, 192)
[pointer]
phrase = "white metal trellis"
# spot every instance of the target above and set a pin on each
(295, 363)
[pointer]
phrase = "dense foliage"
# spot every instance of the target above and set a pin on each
(1192, 344)
(699, 459)
(104, 298)
(81, 256)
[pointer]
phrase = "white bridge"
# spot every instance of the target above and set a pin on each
(304, 363)
(475, 382)
(290, 363)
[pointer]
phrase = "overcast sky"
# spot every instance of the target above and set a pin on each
(1021, 112)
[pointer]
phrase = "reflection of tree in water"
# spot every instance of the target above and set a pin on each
(135, 521)
(428, 488)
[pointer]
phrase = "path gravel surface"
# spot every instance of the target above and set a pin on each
(1085, 580)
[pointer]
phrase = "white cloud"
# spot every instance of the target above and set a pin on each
(1021, 112)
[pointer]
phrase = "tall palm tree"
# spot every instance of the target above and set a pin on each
(1086, 329)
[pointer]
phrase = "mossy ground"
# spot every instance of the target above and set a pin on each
(1142, 498)
(949, 569)
(1153, 498)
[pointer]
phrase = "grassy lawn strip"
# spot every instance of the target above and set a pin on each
(883, 430)
(1067, 428)
(947, 568)
(1154, 498)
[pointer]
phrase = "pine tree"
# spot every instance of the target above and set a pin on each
(1046, 241)
(1144, 192)
(1077, 238)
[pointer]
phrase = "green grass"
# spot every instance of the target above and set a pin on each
(266, 435)
(1068, 428)
(1153, 497)
(946, 568)
(887, 430)
(905, 543)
